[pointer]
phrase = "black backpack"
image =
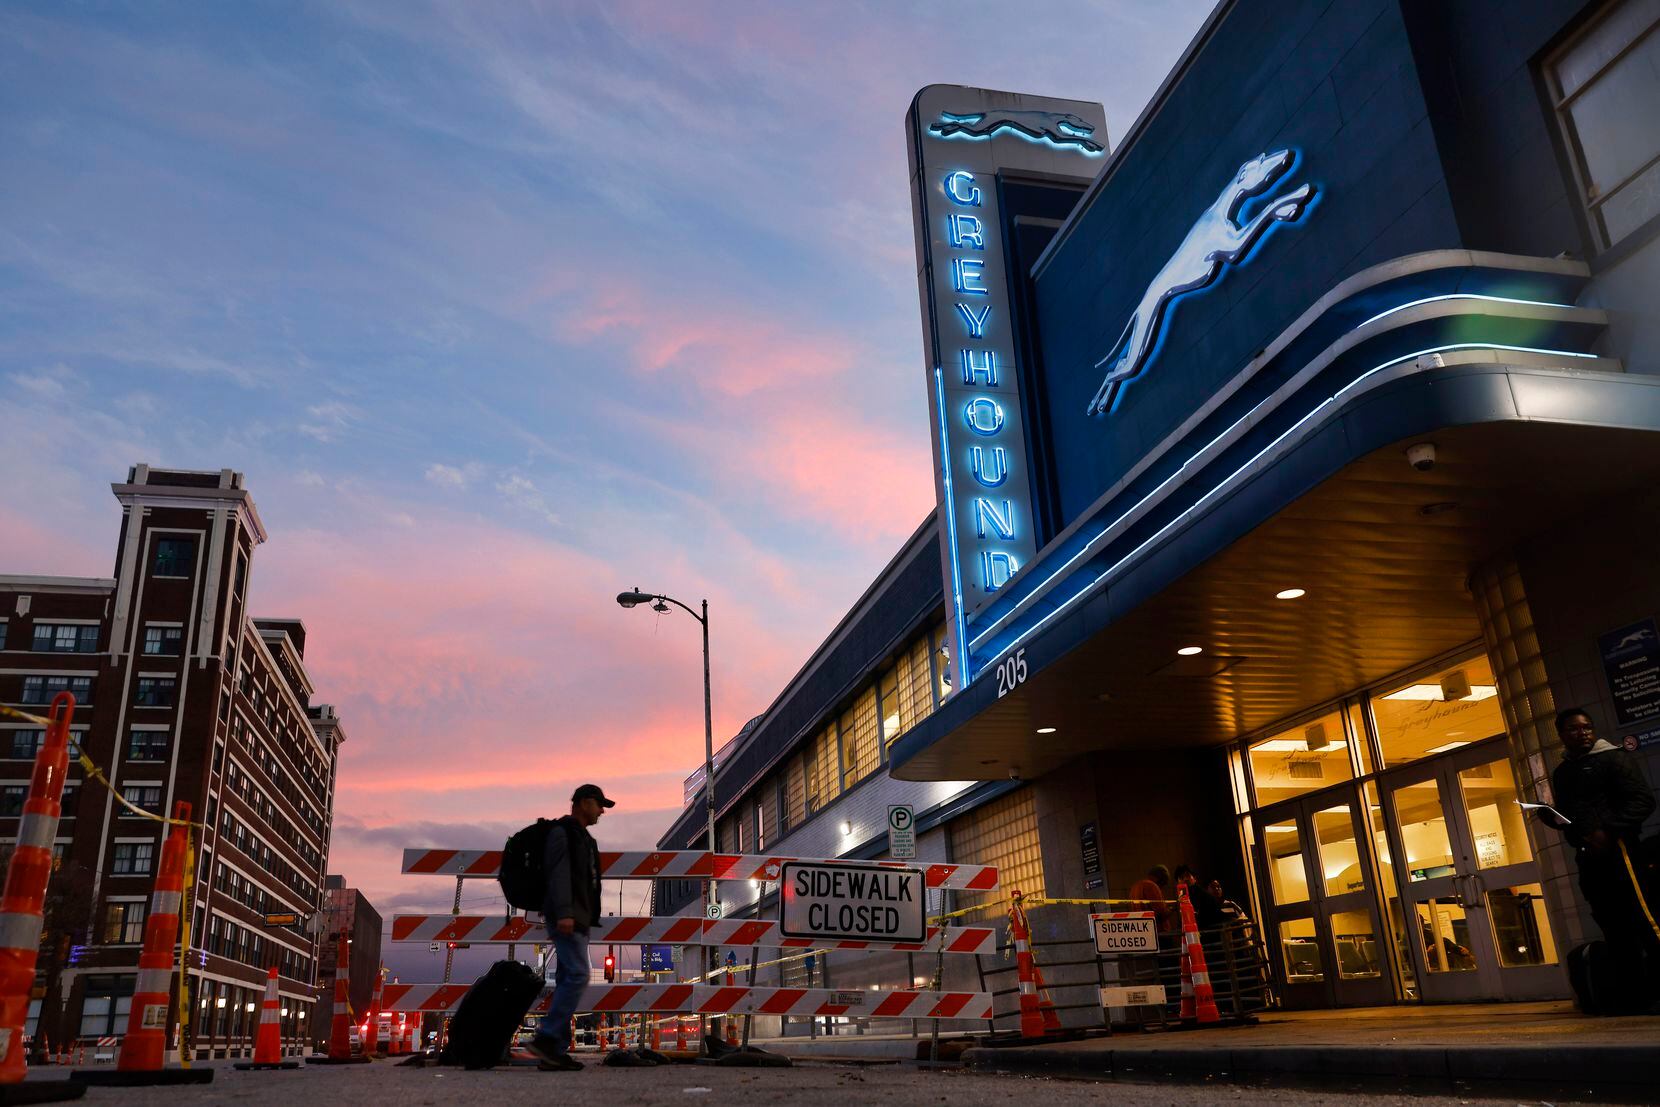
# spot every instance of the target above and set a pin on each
(524, 874)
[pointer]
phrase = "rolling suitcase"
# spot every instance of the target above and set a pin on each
(483, 1024)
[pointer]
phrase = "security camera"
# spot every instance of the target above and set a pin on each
(1014, 772)
(1422, 456)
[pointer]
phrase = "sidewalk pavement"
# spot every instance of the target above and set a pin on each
(1492, 1042)
(1503, 1042)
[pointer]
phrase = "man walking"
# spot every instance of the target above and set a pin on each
(1600, 790)
(571, 908)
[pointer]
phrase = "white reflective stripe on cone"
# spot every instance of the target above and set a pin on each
(165, 902)
(19, 930)
(37, 831)
(153, 980)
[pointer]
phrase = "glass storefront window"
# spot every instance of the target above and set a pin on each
(1357, 945)
(1305, 758)
(1301, 951)
(1285, 862)
(1458, 706)
(1495, 820)
(1339, 852)
(1423, 831)
(1394, 920)
(1521, 926)
(1444, 930)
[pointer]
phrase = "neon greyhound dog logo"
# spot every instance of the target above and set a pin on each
(1217, 240)
(1061, 128)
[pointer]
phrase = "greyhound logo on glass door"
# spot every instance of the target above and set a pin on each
(1215, 242)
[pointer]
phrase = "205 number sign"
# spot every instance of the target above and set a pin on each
(1011, 672)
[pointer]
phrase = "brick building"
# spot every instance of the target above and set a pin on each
(348, 910)
(181, 695)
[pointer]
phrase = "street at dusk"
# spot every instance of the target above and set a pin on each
(1103, 548)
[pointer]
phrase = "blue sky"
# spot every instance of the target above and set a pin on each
(501, 308)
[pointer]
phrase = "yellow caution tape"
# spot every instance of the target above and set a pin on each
(185, 914)
(1637, 886)
(13, 713)
(93, 772)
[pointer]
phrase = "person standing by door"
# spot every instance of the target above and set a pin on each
(1600, 791)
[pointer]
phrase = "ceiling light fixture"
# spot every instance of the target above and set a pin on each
(1290, 594)
(1190, 651)
(1046, 730)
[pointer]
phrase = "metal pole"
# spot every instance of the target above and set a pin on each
(449, 947)
(708, 799)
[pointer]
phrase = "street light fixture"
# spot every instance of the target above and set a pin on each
(660, 604)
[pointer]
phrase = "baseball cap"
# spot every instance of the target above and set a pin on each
(591, 791)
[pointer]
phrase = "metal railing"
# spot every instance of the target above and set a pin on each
(1073, 974)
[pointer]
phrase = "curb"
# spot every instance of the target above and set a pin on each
(1592, 1064)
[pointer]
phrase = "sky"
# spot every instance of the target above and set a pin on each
(502, 308)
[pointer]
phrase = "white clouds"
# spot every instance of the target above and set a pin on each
(521, 492)
(328, 421)
(449, 476)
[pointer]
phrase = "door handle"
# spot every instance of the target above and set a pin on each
(1473, 897)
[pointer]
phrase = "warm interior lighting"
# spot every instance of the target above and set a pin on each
(1446, 747)
(1189, 651)
(1295, 745)
(1290, 594)
(1435, 692)
(1046, 730)
(1281, 829)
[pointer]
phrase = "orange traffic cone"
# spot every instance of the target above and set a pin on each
(1037, 1015)
(340, 1030)
(144, 1049)
(25, 893)
(1204, 998)
(268, 1042)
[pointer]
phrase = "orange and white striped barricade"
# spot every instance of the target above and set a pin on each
(677, 930)
(341, 1029)
(1195, 971)
(716, 999)
(25, 892)
(268, 1041)
(144, 1047)
(690, 864)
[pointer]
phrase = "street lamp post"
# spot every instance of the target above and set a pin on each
(659, 603)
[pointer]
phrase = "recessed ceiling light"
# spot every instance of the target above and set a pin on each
(1189, 651)
(1290, 594)
(989, 761)
(1046, 730)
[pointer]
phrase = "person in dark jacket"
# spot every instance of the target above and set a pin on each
(571, 908)
(1599, 789)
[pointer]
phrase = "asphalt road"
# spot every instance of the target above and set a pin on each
(811, 1084)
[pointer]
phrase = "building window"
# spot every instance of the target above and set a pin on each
(162, 641)
(41, 689)
(2, 634)
(65, 638)
(1304, 758)
(124, 921)
(147, 745)
(132, 858)
(155, 692)
(175, 557)
(11, 800)
(146, 797)
(71, 791)
(22, 745)
(1004, 833)
(1438, 712)
(106, 1006)
(1595, 81)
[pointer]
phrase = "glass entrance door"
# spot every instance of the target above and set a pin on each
(1475, 922)
(1322, 923)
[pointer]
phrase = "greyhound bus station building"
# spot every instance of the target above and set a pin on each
(1296, 452)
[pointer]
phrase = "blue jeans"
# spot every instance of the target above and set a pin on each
(570, 954)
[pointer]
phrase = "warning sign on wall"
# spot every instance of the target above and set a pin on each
(872, 903)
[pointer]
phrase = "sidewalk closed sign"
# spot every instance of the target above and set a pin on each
(1125, 932)
(868, 903)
